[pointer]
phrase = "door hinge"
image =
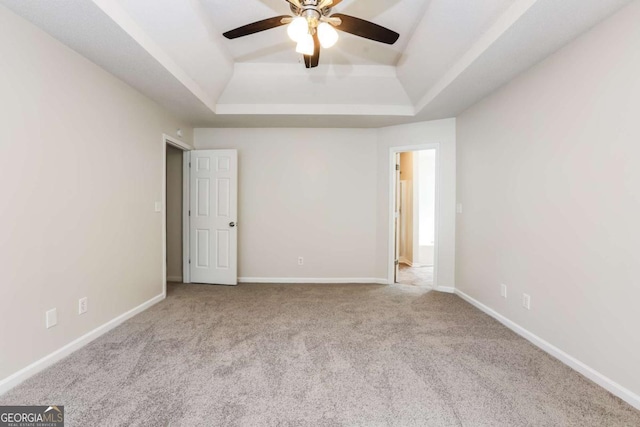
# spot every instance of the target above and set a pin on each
(189, 261)
(397, 167)
(189, 212)
(396, 262)
(189, 164)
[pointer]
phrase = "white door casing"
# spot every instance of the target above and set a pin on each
(393, 203)
(213, 231)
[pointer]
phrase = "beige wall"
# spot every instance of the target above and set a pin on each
(80, 170)
(549, 181)
(406, 174)
(174, 214)
(324, 194)
(303, 192)
(406, 166)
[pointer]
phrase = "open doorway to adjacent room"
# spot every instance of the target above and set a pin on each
(414, 201)
(173, 205)
(175, 200)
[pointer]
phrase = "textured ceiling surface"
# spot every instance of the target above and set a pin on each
(450, 54)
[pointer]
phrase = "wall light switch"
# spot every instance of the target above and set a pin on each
(503, 291)
(526, 301)
(459, 208)
(158, 206)
(51, 318)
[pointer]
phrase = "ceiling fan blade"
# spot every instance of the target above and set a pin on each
(312, 61)
(366, 29)
(296, 3)
(329, 3)
(256, 27)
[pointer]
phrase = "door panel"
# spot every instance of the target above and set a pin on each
(212, 225)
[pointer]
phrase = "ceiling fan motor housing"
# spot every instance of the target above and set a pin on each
(311, 11)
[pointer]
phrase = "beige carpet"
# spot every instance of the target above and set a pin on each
(317, 355)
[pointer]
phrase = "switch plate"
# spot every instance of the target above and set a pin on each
(503, 291)
(83, 305)
(158, 206)
(526, 301)
(51, 317)
(459, 208)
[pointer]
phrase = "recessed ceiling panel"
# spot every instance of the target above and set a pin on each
(448, 29)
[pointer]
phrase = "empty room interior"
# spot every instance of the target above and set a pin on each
(320, 213)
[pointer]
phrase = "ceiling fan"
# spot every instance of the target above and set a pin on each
(312, 26)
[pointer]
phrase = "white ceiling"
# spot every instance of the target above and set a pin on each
(450, 54)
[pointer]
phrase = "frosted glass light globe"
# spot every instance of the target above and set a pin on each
(298, 28)
(305, 45)
(327, 34)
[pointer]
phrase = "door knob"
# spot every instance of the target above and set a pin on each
(232, 224)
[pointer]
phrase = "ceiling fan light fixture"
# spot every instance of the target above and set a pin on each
(298, 28)
(305, 45)
(312, 25)
(327, 34)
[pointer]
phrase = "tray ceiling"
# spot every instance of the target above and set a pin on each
(450, 54)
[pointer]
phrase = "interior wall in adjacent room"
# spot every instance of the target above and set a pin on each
(174, 214)
(406, 238)
(426, 206)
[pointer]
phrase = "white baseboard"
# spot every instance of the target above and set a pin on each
(446, 289)
(25, 373)
(174, 279)
(308, 280)
(623, 393)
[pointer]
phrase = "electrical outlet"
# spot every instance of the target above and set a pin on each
(503, 291)
(83, 305)
(51, 317)
(526, 301)
(300, 260)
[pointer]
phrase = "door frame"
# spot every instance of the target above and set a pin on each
(186, 148)
(392, 196)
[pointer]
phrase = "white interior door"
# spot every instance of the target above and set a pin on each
(213, 231)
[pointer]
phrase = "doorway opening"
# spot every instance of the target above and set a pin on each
(173, 209)
(175, 196)
(414, 215)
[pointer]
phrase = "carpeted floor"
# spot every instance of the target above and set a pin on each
(317, 355)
